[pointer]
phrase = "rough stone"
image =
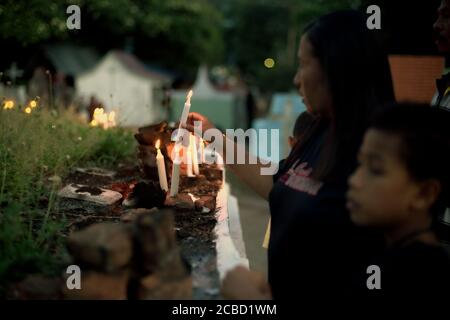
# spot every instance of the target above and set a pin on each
(104, 246)
(96, 172)
(146, 195)
(99, 286)
(132, 214)
(36, 287)
(156, 248)
(159, 288)
(180, 201)
(149, 134)
(211, 172)
(92, 194)
(207, 202)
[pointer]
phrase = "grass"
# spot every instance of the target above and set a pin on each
(34, 147)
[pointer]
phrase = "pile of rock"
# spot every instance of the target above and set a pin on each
(135, 260)
(147, 138)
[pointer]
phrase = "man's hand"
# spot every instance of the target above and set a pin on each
(243, 284)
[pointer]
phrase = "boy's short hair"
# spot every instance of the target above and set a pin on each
(425, 142)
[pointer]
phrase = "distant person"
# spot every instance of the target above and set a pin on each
(93, 104)
(166, 102)
(442, 39)
(402, 177)
(250, 106)
(442, 97)
(38, 86)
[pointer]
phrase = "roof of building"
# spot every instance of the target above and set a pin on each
(133, 64)
(71, 59)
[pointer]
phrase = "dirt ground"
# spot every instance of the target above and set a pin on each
(195, 236)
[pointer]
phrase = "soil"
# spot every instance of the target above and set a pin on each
(194, 229)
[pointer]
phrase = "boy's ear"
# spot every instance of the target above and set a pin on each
(428, 193)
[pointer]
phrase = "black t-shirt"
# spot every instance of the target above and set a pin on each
(314, 248)
(417, 271)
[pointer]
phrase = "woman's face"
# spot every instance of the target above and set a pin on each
(311, 81)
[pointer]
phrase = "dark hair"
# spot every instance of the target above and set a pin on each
(359, 78)
(425, 142)
(302, 123)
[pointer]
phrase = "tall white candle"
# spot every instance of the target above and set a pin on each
(189, 161)
(187, 107)
(202, 151)
(184, 116)
(175, 173)
(161, 168)
(194, 155)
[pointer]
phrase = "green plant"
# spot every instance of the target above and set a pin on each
(33, 148)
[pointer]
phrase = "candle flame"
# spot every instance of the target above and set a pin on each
(189, 96)
(157, 144)
(112, 116)
(9, 104)
(102, 118)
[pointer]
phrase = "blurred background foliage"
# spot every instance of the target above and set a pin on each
(179, 35)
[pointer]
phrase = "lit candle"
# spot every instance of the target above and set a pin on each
(184, 115)
(189, 161)
(202, 151)
(112, 119)
(161, 167)
(175, 173)
(187, 106)
(9, 104)
(194, 155)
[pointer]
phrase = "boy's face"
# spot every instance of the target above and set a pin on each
(381, 191)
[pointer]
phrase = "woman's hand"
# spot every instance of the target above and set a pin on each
(243, 284)
(194, 116)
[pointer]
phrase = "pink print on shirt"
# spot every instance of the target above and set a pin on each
(299, 179)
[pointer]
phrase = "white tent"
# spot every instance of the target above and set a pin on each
(124, 85)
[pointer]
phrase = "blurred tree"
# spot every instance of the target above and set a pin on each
(260, 29)
(32, 21)
(407, 25)
(178, 33)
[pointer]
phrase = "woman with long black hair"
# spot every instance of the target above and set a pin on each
(343, 77)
